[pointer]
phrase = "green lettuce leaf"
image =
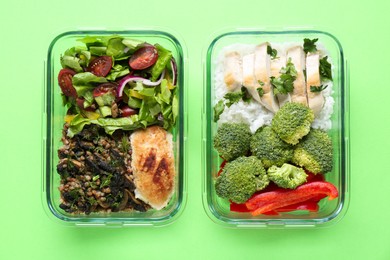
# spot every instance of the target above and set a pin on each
(132, 44)
(164, 56)
(117, 49)
(117, 71)
(86, 78)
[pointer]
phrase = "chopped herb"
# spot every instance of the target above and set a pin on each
(317, 88)
(246, 97)
(125, 145)
(309, 45)
(233, 97)
(285, 82)
(261, 83)
(106, 182)
(325, 69)
(260, 91)
(218, 110)
(272, 52)
(94, 178)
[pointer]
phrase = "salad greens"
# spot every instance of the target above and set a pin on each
(96, 70)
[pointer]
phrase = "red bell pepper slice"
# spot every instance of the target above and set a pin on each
(221, 167)
(272, 200)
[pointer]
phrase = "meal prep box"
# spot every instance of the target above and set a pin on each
(53, 117)
(330, 211)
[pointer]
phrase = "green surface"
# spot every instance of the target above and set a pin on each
(26, 231)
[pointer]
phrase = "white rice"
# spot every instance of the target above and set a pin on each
(253, 113)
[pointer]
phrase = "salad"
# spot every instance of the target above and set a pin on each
(121, 98)
(118, 83)
(272, 108)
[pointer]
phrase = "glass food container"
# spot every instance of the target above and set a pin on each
(53, 117)
(330, 211)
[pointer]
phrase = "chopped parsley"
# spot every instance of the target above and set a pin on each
(260, 90)
(233, 97)
(317, 88)
(285, 82)
(229, 99)
(309, 45)
(272, 52)
(218, 109)
(325, 69)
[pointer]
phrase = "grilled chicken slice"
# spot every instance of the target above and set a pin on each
(233, 71)
(276, 65)
(262, 70)
(297, 56)
(153, 166)
(249, 81)
(315, 99)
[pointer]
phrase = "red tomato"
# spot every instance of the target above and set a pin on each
(143, 58)
(125, 111)
(100, 66)
(104, 88)
(65, 81)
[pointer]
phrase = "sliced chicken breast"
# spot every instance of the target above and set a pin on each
(276, 65)
(249, 81)
(297, 56)
(315, 99)
(262, 70)
(233, 71)
(153, 166)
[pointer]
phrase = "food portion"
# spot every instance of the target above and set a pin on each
(121, 98)
(268, 75)
(153, 166)
(272, 131)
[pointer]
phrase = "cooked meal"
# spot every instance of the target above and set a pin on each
(121, 100)
(272, 110)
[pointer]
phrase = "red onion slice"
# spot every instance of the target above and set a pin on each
(128, 78)
(174, 71)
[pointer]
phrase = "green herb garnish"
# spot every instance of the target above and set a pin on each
(232, 97)
(325, 69)
(285, 82)
(317, 88)
(260, 91)
(309, 45)
(272, 52)
(218, 110)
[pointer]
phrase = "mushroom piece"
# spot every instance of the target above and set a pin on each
(124, 200)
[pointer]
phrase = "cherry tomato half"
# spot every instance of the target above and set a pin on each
(104, 88)
(143, 58)
(100, 66)
(125, 111)
(65, 81)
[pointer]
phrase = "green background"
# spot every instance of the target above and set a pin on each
(27, 28)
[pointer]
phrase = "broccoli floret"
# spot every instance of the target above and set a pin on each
(292, 122)
(232, 140)
(241, 178)
(269, 148)
(315, 152)
(288, 176)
